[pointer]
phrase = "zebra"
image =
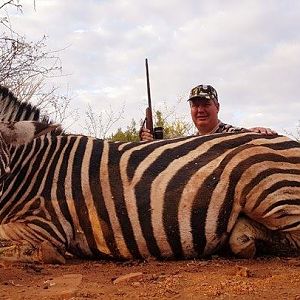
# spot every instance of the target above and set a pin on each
(167, 199)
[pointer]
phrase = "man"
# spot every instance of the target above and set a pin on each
(205, 106)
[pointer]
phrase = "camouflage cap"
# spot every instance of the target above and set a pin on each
(203, 91)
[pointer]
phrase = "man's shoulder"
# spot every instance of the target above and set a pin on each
(223, 127)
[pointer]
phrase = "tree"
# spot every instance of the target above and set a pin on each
(99, 125)
(172, 129)
(129, 135)
(296, 135)
(25, 68)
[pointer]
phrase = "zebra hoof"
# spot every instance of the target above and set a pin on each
(48, 254)
(242, 246)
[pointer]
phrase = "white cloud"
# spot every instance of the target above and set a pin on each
(249, 50)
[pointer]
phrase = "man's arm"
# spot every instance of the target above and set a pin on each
(233, 129)
(263, 130)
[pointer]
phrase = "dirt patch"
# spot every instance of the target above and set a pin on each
(267, 278)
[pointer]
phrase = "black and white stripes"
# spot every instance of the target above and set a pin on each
(176, 198)
(11, 109)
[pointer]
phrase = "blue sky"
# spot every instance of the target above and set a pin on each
(248, 50)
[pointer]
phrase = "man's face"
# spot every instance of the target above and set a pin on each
(204, 112)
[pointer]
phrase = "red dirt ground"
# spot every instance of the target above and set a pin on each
(218, 278)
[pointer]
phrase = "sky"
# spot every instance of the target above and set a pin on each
(249, 50)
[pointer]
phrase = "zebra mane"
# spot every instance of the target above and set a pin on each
(12, 110)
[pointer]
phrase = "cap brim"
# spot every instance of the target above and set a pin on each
(199, 97)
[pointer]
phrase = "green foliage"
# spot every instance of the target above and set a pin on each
(131, 134)
(173, 129)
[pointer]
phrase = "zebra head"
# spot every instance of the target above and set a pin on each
(18, 133)
(22, 132)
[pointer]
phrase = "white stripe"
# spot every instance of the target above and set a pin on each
(29, 187)
(109, 202)
(129, 189)
(158, 191)
(54, 187)
(188, 198)
(87, 194)
(79, 233)
(219, 193)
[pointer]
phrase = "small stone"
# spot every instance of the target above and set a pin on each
(127, 277)
(136, 284)
(243, 271)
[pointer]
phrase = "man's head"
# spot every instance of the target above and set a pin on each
(204, 107)
(204, 92)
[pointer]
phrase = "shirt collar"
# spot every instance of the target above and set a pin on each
(213, 130)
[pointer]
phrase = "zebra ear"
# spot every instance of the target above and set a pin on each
(22, 132)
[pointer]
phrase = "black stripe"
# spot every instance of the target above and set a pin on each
(204, 194)
(47, 157)
(289, 226)
(273, 188)
(174, 190)
(15, 174)
(31, 113)
(282, 203)
(60, 192)
(17, 153)
(235, 176)
(78, 197)
(33, 193)
(283, 145)
(117, 190)
(256, 180)
(201, 204)
(173, 196)
(35, 208)
(142, 193)
(138, 156)
(49, 184)
(94, 180)
(50, 233)
(12, 104)
(20, 176)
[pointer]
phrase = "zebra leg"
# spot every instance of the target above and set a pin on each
(249, 238)
(16, 247)
(23, 251)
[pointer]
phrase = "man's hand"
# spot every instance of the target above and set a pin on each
(263, 130)
(145, 134)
